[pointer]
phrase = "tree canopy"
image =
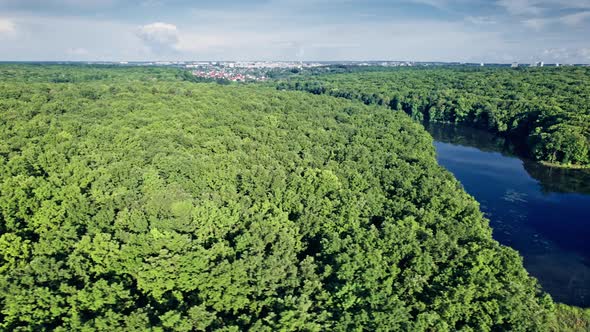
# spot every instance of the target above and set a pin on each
(544, 108)
(148, 205)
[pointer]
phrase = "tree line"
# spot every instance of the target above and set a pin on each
(544, 108)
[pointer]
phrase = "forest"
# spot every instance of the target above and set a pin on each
(132, 199)
(544, 109)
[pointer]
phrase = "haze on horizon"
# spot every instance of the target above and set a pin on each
(418, 30)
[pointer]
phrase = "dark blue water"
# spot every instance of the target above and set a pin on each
(542, 212)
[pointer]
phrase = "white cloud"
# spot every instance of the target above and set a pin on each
(63, 38)
(152, 3)
(572, 20)
(481, 20)
(78, 52)
(568, 55)
(540, 7)
(521, 7)
(536, 23)
(7, 26)
(159, 32)
(160, 37)
(584, 53)
(557, 53)
(82, 4)
(575, 19)
(440, 4)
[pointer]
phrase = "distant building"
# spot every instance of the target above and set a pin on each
(514, 65)
(541, 64)
(481, 64)
(557, 64)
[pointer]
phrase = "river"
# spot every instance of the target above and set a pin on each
(542, 212)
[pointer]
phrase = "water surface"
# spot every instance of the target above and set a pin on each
(542, 212)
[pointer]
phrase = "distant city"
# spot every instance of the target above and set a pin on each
(248, 71)
(294, 64)
(260, 70)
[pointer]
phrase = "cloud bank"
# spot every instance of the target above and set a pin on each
(421, 30)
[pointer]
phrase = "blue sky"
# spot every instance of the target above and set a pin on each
(421, 30)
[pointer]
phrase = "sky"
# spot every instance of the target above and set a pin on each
(500, 31)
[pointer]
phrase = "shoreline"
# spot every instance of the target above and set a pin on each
(563, 166)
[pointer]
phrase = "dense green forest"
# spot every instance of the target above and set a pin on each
(130, 200)
(41, 73)
(545, 109)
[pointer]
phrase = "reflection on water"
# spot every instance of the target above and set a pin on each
(559, 180)
(542, 212)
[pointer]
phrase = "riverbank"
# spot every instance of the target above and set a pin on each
(571, 319)
(565, 166)
(515, 145)
(539, 211)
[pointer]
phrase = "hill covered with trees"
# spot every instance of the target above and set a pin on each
(147, 205)
(544, 108)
